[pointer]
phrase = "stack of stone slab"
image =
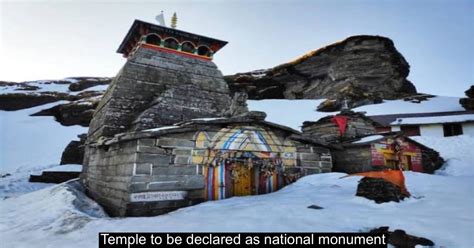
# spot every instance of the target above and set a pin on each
(116, 176)
(156, 88)
(358, 125)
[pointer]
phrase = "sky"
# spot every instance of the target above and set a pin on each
(58, 39)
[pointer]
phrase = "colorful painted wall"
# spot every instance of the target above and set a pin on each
(392, 152)
(150, 173)
(243, 160)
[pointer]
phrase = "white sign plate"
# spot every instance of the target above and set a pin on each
(158, 196)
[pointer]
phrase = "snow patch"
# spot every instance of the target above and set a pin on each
(431, 105)
(433, 119)
(66, 167)
(159, 128)
(31, 141)
(368, 139)
(456, 150)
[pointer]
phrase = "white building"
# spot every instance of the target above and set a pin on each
(450, 124)
(419, 115)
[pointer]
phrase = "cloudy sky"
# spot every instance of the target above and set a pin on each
(57, 39)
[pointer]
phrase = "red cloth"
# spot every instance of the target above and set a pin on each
(341, 122)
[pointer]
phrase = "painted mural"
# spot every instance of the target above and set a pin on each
(397, 153)
(243, 160)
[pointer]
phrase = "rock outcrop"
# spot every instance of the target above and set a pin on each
(22, 95)
(468, 102)
(83, 83)
(379, 190)
(74, 151)
(18, 101)
(360, 69)
(399, 238)
(73, 113)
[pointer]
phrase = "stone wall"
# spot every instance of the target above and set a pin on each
(313, 159)
(155, 88)
(125, 169)
(143, 165)
(352, 159)
(327, 131)
(107, 175)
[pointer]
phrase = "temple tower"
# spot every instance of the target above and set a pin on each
(169, 77)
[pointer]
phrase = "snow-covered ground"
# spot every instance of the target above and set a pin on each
(441, 209)
(458, 151)
(28, 143)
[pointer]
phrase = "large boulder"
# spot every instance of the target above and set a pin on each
(399, 238)
(468, 102)
(83, 83)
(359, 68)
(75, 112)
(379, 190)
(74, 151)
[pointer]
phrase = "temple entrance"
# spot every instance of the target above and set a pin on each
(242, 180)
(242, 161)
(238, 178)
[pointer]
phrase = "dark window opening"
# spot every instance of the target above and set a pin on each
(187, 47)
(153, 39)
(410, 130)
(171, 43)
(452, 129)
(204, 51)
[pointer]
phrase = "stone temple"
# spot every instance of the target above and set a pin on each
(167, 135)
(169, 77)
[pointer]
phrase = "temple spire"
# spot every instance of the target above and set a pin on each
(174, 20)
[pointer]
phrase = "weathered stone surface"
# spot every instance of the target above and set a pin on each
(468, 103)
(379, 190)
(74, 151)
(34, 93)
(470, 92)
(53, 177)
(359, 68)
(85, 82)
(73, 113)
(399, 238)
(17, 101)
(156, 88)
(358, 125)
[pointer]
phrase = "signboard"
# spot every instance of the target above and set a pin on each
(158, 196)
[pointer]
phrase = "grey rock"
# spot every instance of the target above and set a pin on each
(360, 68)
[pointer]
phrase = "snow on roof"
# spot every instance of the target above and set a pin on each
(291, 113)
(160, 128)
(431, 105)
(434, 119)
(208, 119)
(368, 139)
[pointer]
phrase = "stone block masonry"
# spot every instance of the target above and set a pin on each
(120, 176)
(155, 89)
